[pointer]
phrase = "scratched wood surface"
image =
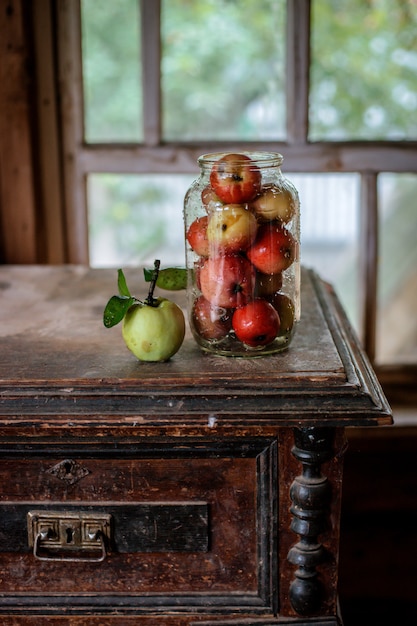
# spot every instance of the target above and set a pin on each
(58, 358)
(51, 321)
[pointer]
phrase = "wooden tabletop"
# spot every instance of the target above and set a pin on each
(57, 360)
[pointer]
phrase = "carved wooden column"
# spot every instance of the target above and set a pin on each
(310, 495)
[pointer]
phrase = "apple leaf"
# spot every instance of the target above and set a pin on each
(116, 309)
(122, 284)
(148, 274)
(169, 278)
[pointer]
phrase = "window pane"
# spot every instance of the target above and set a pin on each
(111, 70)
(364, 70)
(135, 219)
(330, 232)
(397, 284)
(223, 69)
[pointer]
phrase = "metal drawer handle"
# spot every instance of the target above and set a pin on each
(62, 557)
(69, 536)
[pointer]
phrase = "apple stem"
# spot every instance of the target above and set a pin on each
(150, 300)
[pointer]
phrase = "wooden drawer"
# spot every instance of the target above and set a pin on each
(191, 527)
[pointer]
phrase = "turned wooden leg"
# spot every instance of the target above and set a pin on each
(310, 495)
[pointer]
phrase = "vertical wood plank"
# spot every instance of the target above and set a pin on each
(17, 205)
(72, 111)
(50, 173)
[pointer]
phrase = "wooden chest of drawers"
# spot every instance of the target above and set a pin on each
(201, 491)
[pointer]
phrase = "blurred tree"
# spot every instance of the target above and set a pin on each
(223, 70)
(364, 70)
(111, 70)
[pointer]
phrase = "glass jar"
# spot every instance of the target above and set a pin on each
(242, 231)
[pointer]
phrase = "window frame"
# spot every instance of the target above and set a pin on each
(366, 158)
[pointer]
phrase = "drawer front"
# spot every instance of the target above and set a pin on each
(185, 526)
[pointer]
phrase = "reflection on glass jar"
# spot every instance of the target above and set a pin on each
(242, 229)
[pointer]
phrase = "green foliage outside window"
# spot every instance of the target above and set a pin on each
(223, 78)
(364, 70)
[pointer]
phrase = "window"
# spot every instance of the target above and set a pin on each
(147, 86)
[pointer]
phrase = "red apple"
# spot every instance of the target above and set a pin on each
(210, 321)
(256, 324)
(227, 280)
(286, 311)
(210, 200)
(274, 249)
(197, 236)
(235, 179)
(275, 203)
(231, 229)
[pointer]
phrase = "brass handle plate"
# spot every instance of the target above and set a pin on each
(69, 536)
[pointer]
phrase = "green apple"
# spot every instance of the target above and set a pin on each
(154, 332)
(155, 328)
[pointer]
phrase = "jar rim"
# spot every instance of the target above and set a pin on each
(261, 158)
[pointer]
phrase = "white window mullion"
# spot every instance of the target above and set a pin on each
(298, 69)
(368, 264)
(151, 70)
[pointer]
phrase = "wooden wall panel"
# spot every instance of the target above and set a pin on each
(17, 194)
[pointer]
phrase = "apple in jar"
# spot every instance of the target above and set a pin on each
(286, 311)
(235, 179)
(196, 272)
(210, 199)
(256, 323)
(274, 248)
(275, 203)
(227, 280)
(231, 229)
(267, 284)
(210, 321)
(196, 236)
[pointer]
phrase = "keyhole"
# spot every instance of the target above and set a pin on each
(70, 535)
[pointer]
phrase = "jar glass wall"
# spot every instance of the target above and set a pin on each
(242, 228)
